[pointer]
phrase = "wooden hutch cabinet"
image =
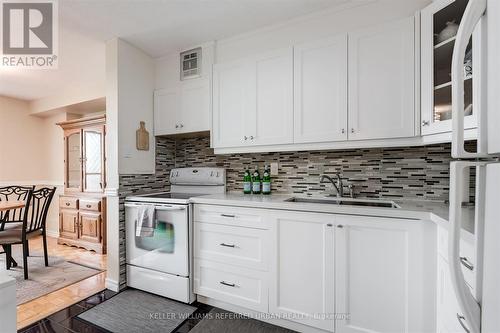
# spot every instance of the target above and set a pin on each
(82, 208)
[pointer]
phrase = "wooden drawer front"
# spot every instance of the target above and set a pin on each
(68, 202)
(231, 284)
(239, 246)
(235, 216)
(90, 204)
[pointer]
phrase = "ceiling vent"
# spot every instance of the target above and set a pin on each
(191, 64)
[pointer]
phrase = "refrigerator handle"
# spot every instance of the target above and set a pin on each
(472, 15)
(468, 305)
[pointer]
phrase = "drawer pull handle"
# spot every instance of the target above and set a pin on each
(466, 263)
(227, 284)
(67, 204)
(460, 320)
(228, 215)
(89, 206)
(227, 245)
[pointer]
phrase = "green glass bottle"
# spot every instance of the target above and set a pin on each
(266, 180)
(256, 181)
(247, 182)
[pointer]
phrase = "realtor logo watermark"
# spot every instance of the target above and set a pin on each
(29, 33)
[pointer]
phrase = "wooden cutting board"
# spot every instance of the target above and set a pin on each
(142, 137)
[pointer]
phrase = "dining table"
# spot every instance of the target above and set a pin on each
(6, 206)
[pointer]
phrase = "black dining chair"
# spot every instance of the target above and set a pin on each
(14, 217)
(14, 193)
(33, 224)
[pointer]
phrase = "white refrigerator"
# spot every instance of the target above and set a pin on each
(480, 309)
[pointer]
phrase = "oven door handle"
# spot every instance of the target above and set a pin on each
(160, 208)
(169, 208)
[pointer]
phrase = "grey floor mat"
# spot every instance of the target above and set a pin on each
(134, 311)
(221, 321)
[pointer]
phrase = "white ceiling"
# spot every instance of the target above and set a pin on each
(157, 27)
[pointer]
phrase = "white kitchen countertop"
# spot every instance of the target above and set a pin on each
(436, 212)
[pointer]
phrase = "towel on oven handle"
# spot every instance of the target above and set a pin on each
(146, 222)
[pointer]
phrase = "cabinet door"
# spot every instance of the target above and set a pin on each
(68, 223)
(232, 102)
(166, 109)
(304, 283)
(379, 275)
(382, 81)
(90, 227)
(195, 106)
(72, 160)
(320, 90)
(436, 56)
(93, 159)
(272, 119)
(448, 310)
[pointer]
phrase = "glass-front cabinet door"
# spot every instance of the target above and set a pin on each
(73, 160)
(84, 162)
(93, 166)
(439, 26)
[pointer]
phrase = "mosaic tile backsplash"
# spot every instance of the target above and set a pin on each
(411, 172)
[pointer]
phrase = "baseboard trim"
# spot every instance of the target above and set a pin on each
(112, 285)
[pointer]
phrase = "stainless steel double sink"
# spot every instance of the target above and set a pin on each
(345, 202)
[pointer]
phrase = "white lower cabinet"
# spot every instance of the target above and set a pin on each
(318, 272)
(236, 285)
(380, 275)
(303, 288)
(448, 311)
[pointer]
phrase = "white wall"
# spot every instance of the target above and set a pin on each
(129, 100)
(31, 151)
(315, 26)
(79, 78)
(167, 68)
(135, 104)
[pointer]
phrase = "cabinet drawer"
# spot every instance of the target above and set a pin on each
(90, 204)
(235, 216)
(68, 202)
(231, 284)
(467, 254)
(238, 246)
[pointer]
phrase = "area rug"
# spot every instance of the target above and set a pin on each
(43, 280)
(134, 311)
(221, 321)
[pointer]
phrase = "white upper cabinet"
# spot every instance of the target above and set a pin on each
(253, 101)
(182, 106)
(232, 103)
(195, 105)
(273, 122)
(183, 109)
(436, 54)
(166, 110)
(382, 81)
(320, 90)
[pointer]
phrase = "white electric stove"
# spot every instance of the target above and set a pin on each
(161, 264)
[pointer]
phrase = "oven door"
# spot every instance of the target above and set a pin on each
(167, 250)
